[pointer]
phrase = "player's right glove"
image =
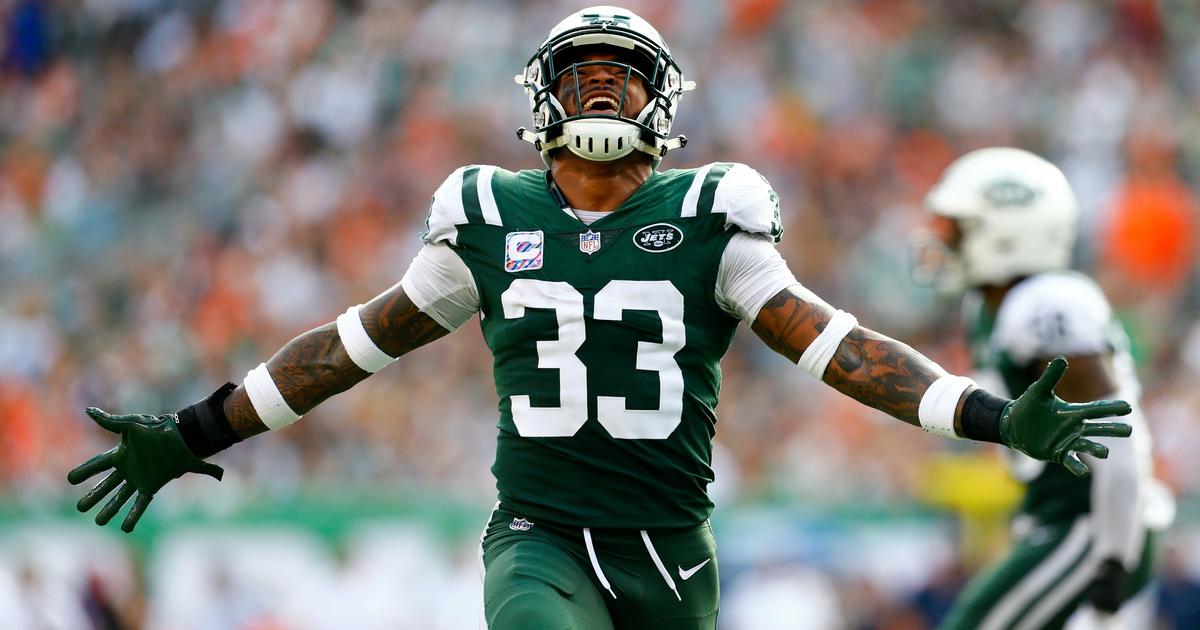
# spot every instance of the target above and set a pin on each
(151, 452)
(1045, 427)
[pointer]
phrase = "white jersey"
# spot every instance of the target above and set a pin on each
(1066, 313)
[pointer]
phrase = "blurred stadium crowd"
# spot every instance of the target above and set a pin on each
(186, 185)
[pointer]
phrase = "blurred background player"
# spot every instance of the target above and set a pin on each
(607, 292)
(1004, 222)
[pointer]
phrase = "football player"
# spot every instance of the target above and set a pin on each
(1005, 224)
(607, 292)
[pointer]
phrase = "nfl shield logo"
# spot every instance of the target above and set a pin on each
(520, 525)
(589, 242)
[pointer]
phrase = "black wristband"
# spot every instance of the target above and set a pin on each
(980, 419)
(204, 427)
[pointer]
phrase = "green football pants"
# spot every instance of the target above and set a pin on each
(552, 577)
(1040, 583)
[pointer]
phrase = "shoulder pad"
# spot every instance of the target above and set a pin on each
(1053, 314)
(740, 193)
(465, 197)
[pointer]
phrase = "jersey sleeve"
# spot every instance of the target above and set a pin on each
(748, 202)
(446, 211)
(441, 286)
(466, 197)
(750, 273)
(1053, 314)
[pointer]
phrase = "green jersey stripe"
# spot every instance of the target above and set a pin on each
(708, 190)
(470, 196)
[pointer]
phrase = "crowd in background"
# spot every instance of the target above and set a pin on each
(186, 185)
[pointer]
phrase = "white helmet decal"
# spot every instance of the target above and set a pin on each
(1016, 212)
(604, 137)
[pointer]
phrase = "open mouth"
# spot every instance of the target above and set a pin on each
(600, 104)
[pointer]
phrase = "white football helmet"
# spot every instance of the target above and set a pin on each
(1016, 213)
(604, 137)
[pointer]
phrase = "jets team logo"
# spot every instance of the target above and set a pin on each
(520, 525)
(589, 242)
(523, 251)
(660, 237)
(607, 20)
(1005, 193)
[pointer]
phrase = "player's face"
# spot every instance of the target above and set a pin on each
(946, 230)
(600, 87)
(933, 250)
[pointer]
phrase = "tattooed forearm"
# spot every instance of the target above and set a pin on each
(241, 414)
(315, 365)
(871, 368)
(881, 372)
(307, 370)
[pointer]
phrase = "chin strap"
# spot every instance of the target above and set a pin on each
(530, 137)
(677, 142)
(670, 145)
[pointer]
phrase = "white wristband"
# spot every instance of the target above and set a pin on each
(939, 403)
(362, 350)
(272, 409)
(817, 355)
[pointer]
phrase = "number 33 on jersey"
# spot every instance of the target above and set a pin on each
(607, 337)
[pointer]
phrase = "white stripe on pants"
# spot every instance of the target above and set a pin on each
(1005, 612)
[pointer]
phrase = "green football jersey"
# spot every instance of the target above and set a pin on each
(1042, 316)
(606, 337)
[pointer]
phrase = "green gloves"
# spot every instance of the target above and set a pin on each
(151, 453)
(1045, 427)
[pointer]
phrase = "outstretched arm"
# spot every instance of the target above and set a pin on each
(869, 367)
(315, 365)
(890, 376)
(322, 362)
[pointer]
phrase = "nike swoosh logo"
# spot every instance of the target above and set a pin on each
(684, 575)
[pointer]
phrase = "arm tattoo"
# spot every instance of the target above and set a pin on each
(871, 368)
(397, 325)
(881, 372)
(788, 323)
(241, 414)
(315, 365)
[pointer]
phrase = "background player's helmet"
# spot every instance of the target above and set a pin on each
(596, 136)
(1016, 214)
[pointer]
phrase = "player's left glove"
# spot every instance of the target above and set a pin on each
(1110, 586)
(151, 453)
(1045, 427)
